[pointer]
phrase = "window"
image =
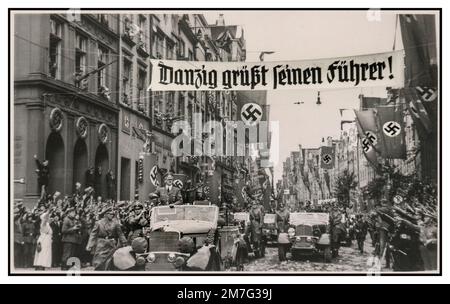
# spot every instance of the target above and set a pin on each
(101, 75)
(142, 75)
(54, 62)
(191, 55)
(180, 105)
(126, 80)
(182, 48)
(142, 32)
(80, 53)
(158, 45)
(103, 18)
(170, 51)
(157, 96)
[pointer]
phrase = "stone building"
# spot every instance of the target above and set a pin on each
(65, 99)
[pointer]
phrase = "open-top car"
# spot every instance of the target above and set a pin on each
(169, 224)
(309, 235)
(241, 219)
(270, 230)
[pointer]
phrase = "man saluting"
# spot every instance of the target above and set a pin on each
(169, 194)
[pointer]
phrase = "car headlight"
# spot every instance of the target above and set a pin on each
(151, 257)
(179, 261)
(308, 239)
(140, 261)
(291, 232)
(171, 257)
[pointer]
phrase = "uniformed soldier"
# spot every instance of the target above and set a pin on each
(256, 222)
(71, 237)
(29, 238)
(361, 228)
(136, 222)
(282, 218)
(106, 236)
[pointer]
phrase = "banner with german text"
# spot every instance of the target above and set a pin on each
(374, 70)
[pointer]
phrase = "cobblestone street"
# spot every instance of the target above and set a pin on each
(349, 260)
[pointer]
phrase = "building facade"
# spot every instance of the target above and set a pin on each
(65, 100)
(81, 101)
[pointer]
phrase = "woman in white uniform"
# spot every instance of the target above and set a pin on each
(43, 256)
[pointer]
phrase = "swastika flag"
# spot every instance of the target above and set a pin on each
(368, 135)
(327, 157)
(390, 124)
(417, 110)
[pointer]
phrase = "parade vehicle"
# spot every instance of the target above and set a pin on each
(309, 235)
(241, 219)
(270, 230)
(187, 237)
(168, 225)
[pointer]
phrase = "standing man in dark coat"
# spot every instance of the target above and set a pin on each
(361, 228)
(98, 181)
(105, 237)
(256, 215)
(282, 216)
(55, 224)
(136, 222)
(43, 172)
(169, 194)
(111, 185)
(71, 237)
(18, 239)
(29, 238)
(90, 178)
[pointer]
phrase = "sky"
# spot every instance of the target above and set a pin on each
(297, 35)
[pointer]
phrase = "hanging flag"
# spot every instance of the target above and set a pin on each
(417, 110)
(152, 176)
(390, 124)
(368, 151)
(393, 95)
(372, 102)
(368, 131)
(419, 41)
(179, 180)
(345, 122)
(327, 157)
(426, 94)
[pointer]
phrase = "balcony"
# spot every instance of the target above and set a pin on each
(105, 93)
(125, 99)
(142, 49)
(129, 32)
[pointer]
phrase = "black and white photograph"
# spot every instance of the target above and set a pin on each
(225, 141)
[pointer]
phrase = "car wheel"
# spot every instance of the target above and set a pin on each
(282, 253)
(348, 242)
(263, 250)
(334, 253)
(327, 255)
